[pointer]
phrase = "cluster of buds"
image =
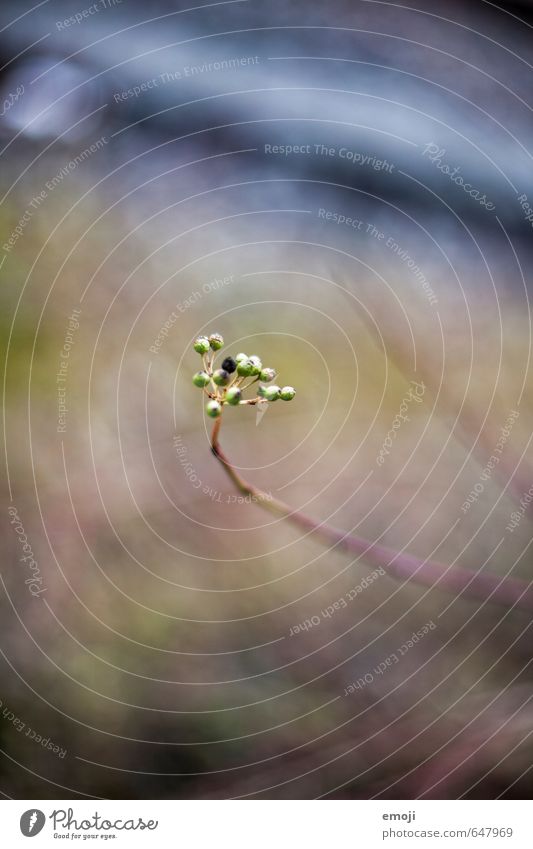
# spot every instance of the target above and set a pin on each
(227, 384)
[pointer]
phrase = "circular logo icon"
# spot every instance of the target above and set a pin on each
(32, 822)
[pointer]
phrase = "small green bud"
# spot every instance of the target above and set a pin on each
(287, 393)
(267, 374)
(271, 393)
(213, 409)
(245, 368)
(221, 377)
(201, 345)
(233, 395)
(201, 379)
(256, 363)
(216, 341)
(240, 357)
(261, 391)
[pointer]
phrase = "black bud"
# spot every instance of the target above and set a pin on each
(229, 365)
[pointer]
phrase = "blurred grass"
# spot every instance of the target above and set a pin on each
(169, 599)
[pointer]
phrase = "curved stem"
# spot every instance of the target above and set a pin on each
(484, 586)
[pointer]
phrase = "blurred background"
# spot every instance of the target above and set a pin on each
(346, 190)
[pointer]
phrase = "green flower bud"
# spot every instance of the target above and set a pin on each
(245, 368)
(221, 377)
(261, 391)
(201, 379)
(271, 393)
(267, 374)
(233, 395)
(240, 357)
(216, 341)
(256, 363)
(201, 345)
(287, 393)
(213, 409)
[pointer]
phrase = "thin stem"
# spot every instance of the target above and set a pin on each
(403, 566)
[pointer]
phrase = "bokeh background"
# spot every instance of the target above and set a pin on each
(143, 203)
